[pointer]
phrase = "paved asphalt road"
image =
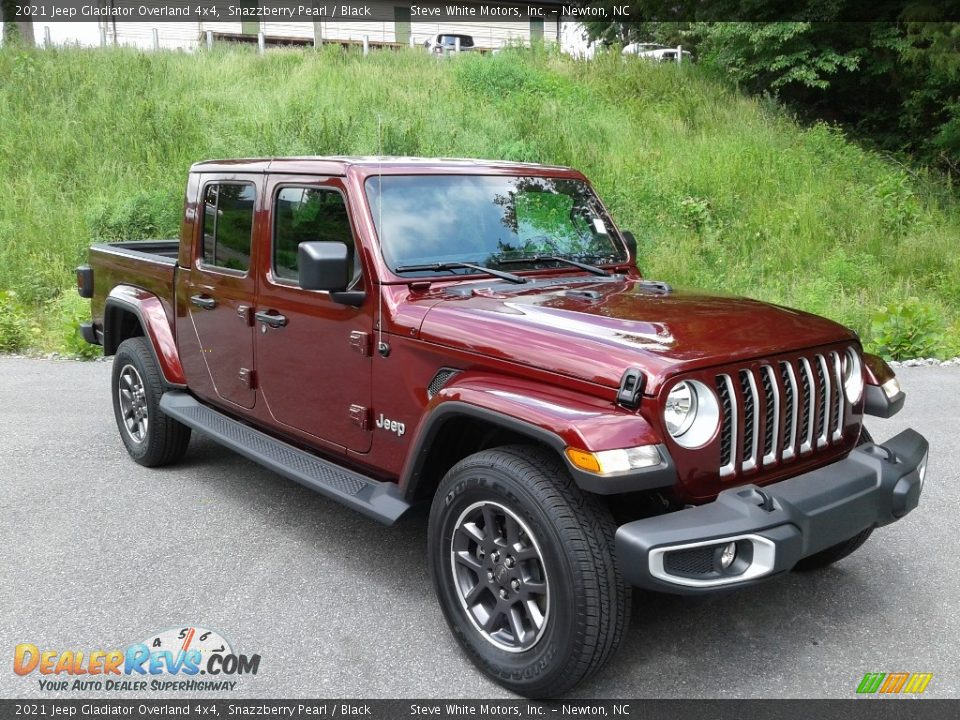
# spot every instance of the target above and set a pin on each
(99, 553)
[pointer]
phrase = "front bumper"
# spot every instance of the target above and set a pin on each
(774, 526)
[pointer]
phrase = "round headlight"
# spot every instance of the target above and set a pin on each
(681, 409)
(691, 413)
(852, 375)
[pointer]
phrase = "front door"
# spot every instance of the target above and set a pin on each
(222, 286)
(313, 354)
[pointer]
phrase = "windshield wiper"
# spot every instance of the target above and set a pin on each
(439, 267)
(555, 258)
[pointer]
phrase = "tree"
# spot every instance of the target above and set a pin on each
(932, 56)
(888, 74)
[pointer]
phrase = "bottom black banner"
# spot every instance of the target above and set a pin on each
(865, 709)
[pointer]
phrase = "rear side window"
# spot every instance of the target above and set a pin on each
(228, 225)
(302, 215)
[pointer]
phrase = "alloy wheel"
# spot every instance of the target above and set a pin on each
(500, 576)
(133, 403)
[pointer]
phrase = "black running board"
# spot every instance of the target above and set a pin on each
(378, 500)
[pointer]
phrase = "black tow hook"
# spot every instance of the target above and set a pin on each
(882, 452)
(758, 496)
(766, 501)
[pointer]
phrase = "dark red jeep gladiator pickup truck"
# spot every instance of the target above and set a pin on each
(476, 336)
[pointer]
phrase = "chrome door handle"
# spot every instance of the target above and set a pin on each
(273, 319)
(207, 303)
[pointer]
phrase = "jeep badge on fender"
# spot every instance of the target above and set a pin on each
(576, 429)
(391, 425)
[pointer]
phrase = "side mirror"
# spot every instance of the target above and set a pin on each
(631, 243)
(324, 265)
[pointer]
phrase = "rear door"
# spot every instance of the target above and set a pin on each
(313, 361)
(222, 286)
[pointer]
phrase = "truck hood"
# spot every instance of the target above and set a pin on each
(595, 331)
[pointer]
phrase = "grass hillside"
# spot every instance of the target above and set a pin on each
(722, 191)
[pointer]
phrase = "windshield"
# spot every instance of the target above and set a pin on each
(428, 219)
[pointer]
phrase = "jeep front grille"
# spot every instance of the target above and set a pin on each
(779, 410)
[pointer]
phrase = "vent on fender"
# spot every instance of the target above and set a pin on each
(439, 380)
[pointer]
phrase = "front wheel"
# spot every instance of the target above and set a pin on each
(524, 569)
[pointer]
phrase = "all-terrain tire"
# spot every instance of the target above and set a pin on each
(152, 438)
(837, 552)
(521, 498)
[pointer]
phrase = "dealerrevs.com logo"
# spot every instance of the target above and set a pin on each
(188, 659)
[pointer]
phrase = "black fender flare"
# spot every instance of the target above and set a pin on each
(660, 477)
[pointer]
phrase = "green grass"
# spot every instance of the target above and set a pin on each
(723, 191)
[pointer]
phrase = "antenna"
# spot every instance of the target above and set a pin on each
(382, 347)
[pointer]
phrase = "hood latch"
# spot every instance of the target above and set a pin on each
(631, 389)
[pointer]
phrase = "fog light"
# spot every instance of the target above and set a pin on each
(728, 555)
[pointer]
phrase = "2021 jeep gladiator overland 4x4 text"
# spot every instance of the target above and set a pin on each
(475, 335)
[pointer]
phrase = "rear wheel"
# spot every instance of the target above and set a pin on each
(524, 568)
(151, 438)
(832, 554)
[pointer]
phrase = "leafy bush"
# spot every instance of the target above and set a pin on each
(44, 279)
(71, 310)
(896, 202)
(696, 213)
(907, 329)
(15, 329)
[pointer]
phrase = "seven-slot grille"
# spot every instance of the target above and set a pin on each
(778, 410)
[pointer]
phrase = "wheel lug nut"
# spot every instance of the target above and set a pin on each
(503, 593)
(515, 584)
(510, 562)
(496, 557)
(489, 574)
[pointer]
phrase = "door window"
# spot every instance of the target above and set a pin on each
(228, 225)
(304, 214)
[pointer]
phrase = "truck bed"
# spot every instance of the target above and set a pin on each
(147, 264)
